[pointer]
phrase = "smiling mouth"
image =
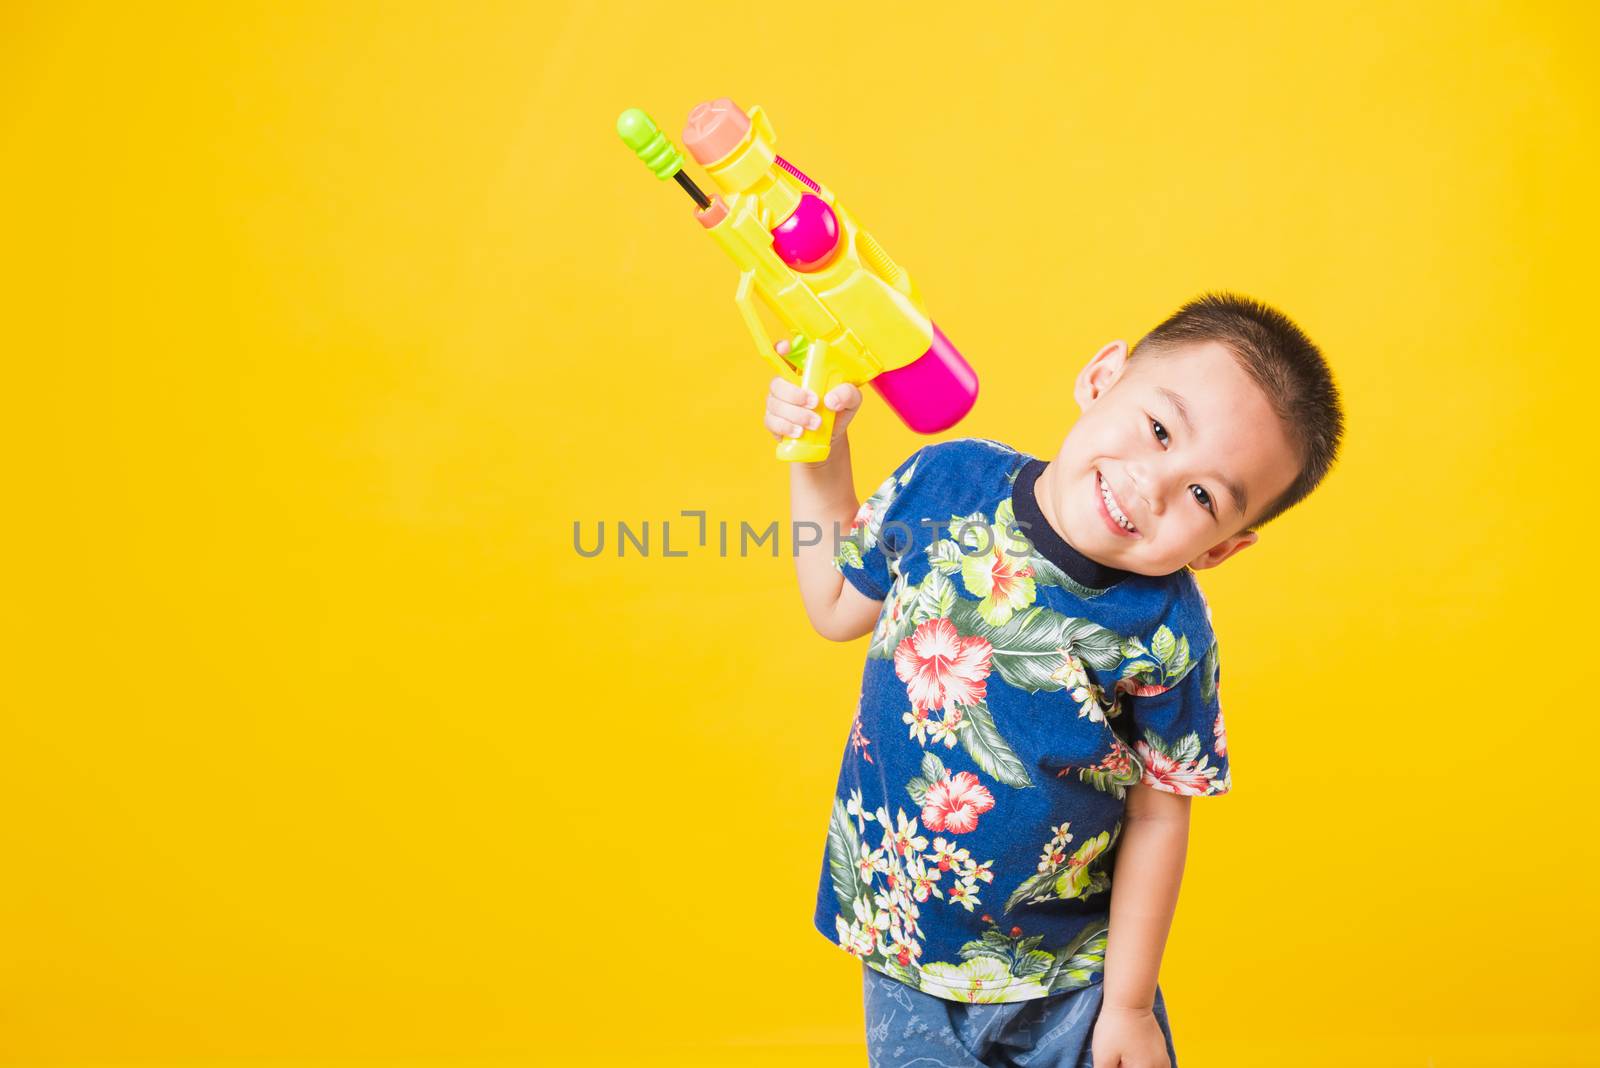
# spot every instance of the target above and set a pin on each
(1112, 509)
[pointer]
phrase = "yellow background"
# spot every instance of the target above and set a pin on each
(323, 323)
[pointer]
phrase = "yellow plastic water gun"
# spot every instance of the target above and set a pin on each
(852, 313)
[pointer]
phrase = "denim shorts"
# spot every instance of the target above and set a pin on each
(909, 1029)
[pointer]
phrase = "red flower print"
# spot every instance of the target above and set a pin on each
(860, 741)
(955, 802)
(1140, 689)
(1221, 734)
(940, 667)
(1116, 761)
(1176, 776)
(1003, 573)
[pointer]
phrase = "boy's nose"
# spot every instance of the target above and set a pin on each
(1143, 484)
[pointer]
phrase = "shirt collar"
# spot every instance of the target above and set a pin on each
(1050, 545)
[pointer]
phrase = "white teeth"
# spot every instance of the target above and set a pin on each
(1111, 505)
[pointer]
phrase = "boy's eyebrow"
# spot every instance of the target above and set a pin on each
(1235, 490)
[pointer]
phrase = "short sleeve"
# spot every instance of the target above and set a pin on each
(884, 526)
(1171, 717)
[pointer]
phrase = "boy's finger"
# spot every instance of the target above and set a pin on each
(786, 390)
(781, 427)
(843, 397)
(793, 413)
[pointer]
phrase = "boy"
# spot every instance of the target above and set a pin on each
(1039, 701)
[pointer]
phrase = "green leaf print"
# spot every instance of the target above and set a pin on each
(992, 944)
(1171, 651)
(844, 857)
(971, 532)
(1187, 748)
(849, 554)
(1027, 650)
(895, 620)
(1035, 887)
(1114, 774)
(1005, 516)
(935, 598)
(1044, 572)
(1020, 954)
(1047, 574)
(1208, 675)
(988, 749)
(1104, 781)
(933, 771)
(902, 972)
(1163, 644)
(1032, 964)
(944, 556)
(1066, 878)
(1076, 964)
(1145, 671)
(1079, 878)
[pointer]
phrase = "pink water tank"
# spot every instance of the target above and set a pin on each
(935, 391)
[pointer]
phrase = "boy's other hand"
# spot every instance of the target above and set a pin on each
(792, 409)
(1128, 1038)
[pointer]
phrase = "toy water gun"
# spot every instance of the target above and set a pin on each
(852, 313)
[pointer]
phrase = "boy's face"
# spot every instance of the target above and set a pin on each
(1174, 478)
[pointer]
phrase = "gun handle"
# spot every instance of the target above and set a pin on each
(813, 446)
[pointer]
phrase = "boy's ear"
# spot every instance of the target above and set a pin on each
(1224, 549)
(1097, 376)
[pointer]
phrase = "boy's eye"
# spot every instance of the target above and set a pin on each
(1199, 491)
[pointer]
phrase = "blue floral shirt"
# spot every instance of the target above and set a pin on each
(1013, 690)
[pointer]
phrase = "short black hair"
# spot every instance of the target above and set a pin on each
(1286, 365)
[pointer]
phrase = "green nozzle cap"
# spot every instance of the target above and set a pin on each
(642, 135)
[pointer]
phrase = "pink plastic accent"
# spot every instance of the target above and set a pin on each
(792, 169)
(809, 237)
(933, 392)
(714, 214)
(714, 129)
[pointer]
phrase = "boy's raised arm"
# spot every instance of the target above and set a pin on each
(823, 494)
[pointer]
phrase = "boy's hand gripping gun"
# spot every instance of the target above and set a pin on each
(854, 314)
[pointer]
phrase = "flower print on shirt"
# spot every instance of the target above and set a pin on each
(1063, 876)
(1113, 774)
(881, 925)
(940, 667)
(949, 802)
(1074, 677)
(866, 529)
(954, 804)
(984, 980)
(859, 741)
(1156, 668)
(1175, 768)
(991, 567)
(1009, 966)
(948, 650)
